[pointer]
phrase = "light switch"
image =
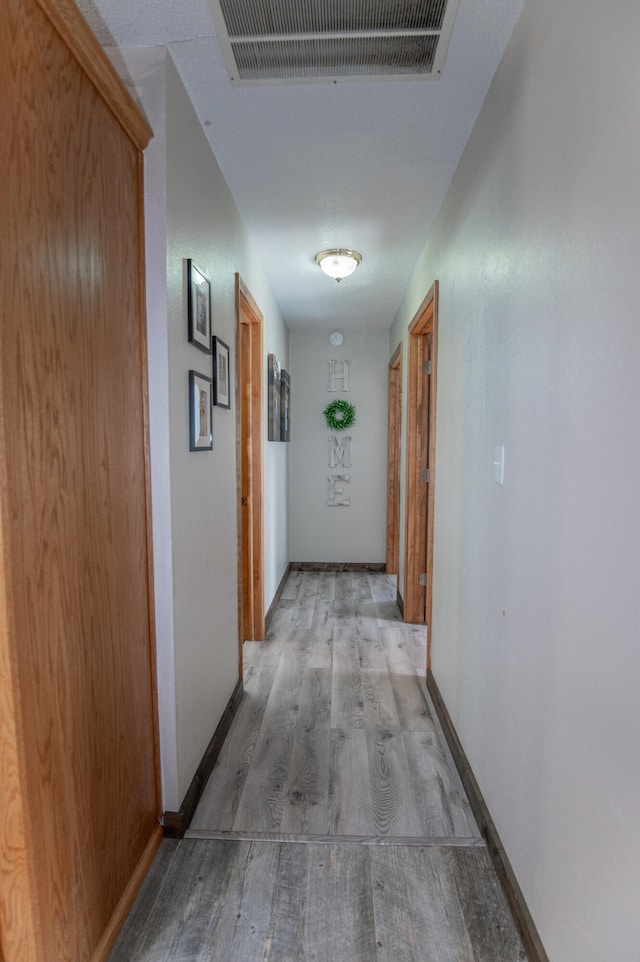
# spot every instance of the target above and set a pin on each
(498, 465)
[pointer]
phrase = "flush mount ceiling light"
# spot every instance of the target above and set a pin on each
(338, 262)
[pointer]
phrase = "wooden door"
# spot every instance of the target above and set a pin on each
(80, 802)
(393, 461)
(421, 429)
(250, 470)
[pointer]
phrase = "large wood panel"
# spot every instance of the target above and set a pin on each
(79, 752)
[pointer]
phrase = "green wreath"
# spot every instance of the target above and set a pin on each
(339, 415)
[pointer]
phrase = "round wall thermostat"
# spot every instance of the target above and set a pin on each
(336, 339)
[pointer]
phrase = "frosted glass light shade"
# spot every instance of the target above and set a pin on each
(338, 262)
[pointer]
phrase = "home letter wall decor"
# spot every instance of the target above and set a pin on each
(338, 375)
(340, 452)
(335, 490)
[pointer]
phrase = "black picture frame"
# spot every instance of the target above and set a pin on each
(273, 419)
(285, 398)
(200, 412)
(199, 307)
(221, 383)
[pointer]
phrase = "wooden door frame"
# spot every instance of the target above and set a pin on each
(421, 450)
(249, 464)
(394, 433)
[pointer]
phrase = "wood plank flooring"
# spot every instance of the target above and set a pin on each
(336, 734)
(334, 826)
(244, 901)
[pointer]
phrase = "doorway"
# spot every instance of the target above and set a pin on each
(393, 462)
(421, 437)
(249, 455)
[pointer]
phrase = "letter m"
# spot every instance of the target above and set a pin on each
(340, 452)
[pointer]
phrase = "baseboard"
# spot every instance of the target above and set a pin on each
(276, 598)
(338, 566)
(531, 940)
(175, 824)
(122, 909)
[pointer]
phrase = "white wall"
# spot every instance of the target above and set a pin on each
(190, 213)
(319, 532)
(536, 618)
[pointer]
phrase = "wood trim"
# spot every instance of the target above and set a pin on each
(248, 297)
(431, 490)
(144, 385)
(175, 824)
(250, 459)
(530, 937)
(369, 841)
(276, 598)
(257, 476)
(421, 438)
(238, 397)
(394, 432)
(416, 502)
(337, 566)
(19, 930)
(117, 920)
(68, 22)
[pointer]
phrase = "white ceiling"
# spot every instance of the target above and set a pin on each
(311, 166)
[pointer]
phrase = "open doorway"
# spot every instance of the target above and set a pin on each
(249, 454)
(421, 438)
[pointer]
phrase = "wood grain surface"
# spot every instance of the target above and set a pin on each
(249, 466)
(421, 449)
(324, 841)
(338, 735)
(79, 801)
(246, 901)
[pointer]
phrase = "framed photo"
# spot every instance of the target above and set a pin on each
(274, 397)
(285, 396)
(199, 307)
(221, 388)
(200, 412)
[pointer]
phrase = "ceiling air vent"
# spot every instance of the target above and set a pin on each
(298, 41)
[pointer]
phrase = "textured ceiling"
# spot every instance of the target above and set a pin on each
(312, 166)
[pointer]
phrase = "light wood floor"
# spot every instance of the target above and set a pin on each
(336, 734)
(334, 826)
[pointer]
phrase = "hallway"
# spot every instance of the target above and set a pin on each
(334, 825)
